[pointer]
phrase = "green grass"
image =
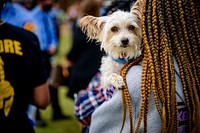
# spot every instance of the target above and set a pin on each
(61, 126)
(67, 104)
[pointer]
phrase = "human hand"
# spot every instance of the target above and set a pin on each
(66, 64)
(52, 49)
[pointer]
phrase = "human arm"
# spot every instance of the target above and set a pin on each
(40, 93)
(41, 96)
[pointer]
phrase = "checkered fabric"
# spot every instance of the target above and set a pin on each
(87, 101)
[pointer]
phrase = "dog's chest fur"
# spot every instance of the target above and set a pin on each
(110, 70)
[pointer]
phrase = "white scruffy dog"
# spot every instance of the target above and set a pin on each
(120, 36)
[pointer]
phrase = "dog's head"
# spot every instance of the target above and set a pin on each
(120, 33)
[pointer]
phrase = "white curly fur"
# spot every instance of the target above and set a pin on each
(111, 30)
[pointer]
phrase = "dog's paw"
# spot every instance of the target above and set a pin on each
(116, 80)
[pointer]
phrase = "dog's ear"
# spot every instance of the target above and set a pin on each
(92, 26)
(136, 9)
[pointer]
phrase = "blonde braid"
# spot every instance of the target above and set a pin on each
(184, 20)
(174, 123)
(179, 53)
(164, 44)
(154, 54)
(170, 28)
(196, 19)
(125, 91)
(194, 38)
(193, 28)
(148, 91)
(144, 71)
(188, 72)
(156, 61)
(192, 53)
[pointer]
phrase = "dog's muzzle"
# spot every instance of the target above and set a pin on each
(125, 42)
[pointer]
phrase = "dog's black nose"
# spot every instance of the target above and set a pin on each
(125, 41)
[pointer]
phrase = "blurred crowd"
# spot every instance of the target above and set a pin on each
(80, 66)
(44, 18)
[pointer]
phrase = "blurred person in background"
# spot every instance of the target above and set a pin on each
(28, 4)
(23, 77)
(73, 12)
(83, 60)
(117, 5)
(58, 17)
(16, 14)
(48, 44)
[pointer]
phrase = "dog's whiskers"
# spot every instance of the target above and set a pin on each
(124, 55)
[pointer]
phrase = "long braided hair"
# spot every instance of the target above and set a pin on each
(170, 28)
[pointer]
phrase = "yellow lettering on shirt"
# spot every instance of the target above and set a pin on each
(2, 76)
(18, 48)
(1, 46)
(6, 91)
(10, 46)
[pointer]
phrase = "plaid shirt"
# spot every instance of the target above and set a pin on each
(87, 101)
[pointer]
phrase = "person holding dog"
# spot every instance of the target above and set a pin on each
(49, 44)
(162, 88)
(23, 80)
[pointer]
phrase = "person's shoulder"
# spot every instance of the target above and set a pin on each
(26, 18)
(36, 10)
(21, 11)
(19, 7)
(134, 76)
(135, 69)
(20, 32)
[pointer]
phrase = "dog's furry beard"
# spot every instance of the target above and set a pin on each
(120, 36)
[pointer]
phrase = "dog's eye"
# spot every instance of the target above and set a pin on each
(131, 27)
(114, 29)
